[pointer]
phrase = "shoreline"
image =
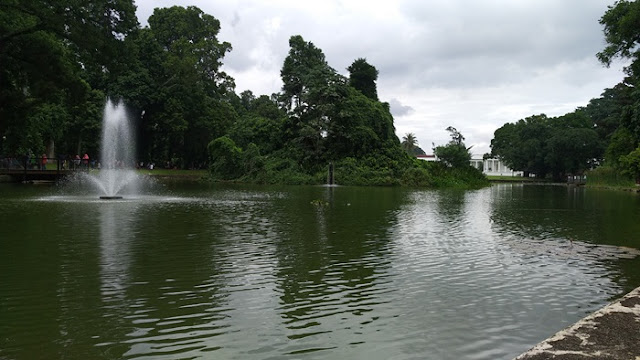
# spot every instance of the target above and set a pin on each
(613, 332)
(635, 189)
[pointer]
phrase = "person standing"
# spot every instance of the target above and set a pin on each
(43, 163)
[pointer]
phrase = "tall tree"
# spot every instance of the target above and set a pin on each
(178, 85)
(363, 76)
(309, 93)
(622, 36)
(303, 62)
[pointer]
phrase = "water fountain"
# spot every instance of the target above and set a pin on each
(117, 155)
(116, 177)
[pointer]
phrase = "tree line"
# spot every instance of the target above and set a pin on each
(605, 133)
(60, 60)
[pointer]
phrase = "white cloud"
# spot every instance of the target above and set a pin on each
(474, 65)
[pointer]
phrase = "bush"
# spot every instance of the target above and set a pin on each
(252, 161)
(370, 171)
(417, 176)
(439, 175)
(630, 164)
(279, 170)
(226, 159)
(608, 176)
(387, 168)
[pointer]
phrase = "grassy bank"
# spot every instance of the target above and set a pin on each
(511, 179)
(174, 173)
(608, 177)
(366, 172)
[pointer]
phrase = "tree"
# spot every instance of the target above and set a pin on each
(521, 145)
(567, 144)
(261, 124)
(622, 36)
(225, 158)
(359, 127)
(177, 84)
(630, 164)
(456, 136)
(363, 76)
(303, 60)
(622, 142)
(571, 151)
(606, 111)
(306, 77)
(49, 52)
(455, 154)
(324, 112)
(621, 31)
(409, 143)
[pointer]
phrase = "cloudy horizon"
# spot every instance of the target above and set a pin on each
(473, 65)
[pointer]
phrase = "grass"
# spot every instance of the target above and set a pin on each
(511, 178)
(606, 176)
(169, 173)
(174, 172)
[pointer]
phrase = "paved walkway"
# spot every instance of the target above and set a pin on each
(612, 332)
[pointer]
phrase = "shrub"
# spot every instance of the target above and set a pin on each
(608, 176)
(226, 159)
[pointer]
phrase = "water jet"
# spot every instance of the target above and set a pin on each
(117, 173)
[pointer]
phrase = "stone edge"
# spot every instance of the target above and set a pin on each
(583, 340)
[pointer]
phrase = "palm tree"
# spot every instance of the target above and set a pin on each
(409, 143)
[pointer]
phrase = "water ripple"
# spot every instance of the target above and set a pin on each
(265, 274)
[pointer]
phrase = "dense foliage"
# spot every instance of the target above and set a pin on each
(323, 118)
(61, 60)
(605, 132)
(51, 55)
(541, 145)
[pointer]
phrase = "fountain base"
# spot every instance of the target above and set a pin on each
(110, 197)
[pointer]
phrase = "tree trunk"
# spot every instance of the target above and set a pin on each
(79, 147)
(51, 149)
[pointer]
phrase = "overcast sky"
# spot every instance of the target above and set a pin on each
(470, 64)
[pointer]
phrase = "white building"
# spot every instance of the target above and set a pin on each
(427, 157)
(491, 167)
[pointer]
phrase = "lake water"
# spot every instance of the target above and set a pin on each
(239, 272)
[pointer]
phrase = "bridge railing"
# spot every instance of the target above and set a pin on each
(25, 163)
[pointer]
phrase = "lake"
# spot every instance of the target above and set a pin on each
(202, 271)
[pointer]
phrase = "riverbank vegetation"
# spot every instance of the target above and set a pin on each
(62, 60)
(603, 135)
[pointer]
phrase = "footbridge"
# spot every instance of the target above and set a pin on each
(24, 169)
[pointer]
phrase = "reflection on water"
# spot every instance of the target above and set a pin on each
(308, 272)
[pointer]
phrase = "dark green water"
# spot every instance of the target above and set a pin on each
(215, 272)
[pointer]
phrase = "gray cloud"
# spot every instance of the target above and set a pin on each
(397, 109)
(236, 19)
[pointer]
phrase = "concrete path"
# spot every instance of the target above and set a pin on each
(612, 332)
